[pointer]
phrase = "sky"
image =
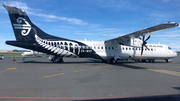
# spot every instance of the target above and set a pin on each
(96, 20)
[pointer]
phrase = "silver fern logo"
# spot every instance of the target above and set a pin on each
(22, 25)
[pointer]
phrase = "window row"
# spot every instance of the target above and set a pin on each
(65, 45)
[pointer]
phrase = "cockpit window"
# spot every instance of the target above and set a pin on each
(169, 48)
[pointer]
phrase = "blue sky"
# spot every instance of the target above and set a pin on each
(96, 20)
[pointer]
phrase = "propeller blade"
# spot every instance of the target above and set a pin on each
(143, 38)
(148, 38)
(142, 51)
(146, 47)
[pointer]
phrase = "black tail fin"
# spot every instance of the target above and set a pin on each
(22, 26)
(24, 29)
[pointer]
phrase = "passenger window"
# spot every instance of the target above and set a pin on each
(62, 47)
(109, 48)
(98, 47)
(54, 44)
(126, 48)
(123, 48)
(101, 47)
(129, 48)
(105, 47)
(151, 49)
(112, 47)
(94, 47)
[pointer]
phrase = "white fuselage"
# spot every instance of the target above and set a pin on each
(107, 51)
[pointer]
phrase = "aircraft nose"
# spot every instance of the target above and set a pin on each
(175, 54)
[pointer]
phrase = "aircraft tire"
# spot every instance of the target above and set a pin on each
(166, 60)
(60, 60)
(104, 61)
(113, 61)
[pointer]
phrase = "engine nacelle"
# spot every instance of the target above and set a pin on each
(134, 42)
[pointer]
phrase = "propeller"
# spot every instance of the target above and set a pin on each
(144, 44)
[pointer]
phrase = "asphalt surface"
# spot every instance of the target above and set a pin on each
(85, 78)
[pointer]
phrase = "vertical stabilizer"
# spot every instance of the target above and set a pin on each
(22, 26)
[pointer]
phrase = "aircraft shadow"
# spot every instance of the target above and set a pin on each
(143, 98)
(126, 64)
(76, 62)
(178, 88)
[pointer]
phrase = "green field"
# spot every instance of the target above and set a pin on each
(11, 53)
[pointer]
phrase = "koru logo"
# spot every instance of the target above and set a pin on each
(23, 25)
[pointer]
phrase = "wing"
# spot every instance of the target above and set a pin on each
(125, 40)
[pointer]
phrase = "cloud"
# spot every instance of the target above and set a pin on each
(84, 33)
(51, 17)
(173, 35)
(117, 5)
(17, 4)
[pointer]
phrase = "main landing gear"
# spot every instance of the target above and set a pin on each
(112, 61)
(56, 59)
(168, 60)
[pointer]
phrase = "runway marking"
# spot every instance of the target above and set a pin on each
(54, 75)
(15, 63)
(80, 70)
(107, 66)
(176, 66)
(96, 67)
(166, 72)
(8, 69)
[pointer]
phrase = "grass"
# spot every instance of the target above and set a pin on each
(11, 53)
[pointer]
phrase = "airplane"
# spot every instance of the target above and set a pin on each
(129, 46)
(33, 53)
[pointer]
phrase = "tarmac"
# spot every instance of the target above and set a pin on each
(85, 79)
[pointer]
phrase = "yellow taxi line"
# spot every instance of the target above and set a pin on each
(54, 75)
(8, 69)
(96, 67)
(176, 66)
(166, 72)
(79, 70)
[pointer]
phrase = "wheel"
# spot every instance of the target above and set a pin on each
(104, 61)
(113, 61)
(152, 60)
(166, 60)
(60, 60)
(143, 60)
